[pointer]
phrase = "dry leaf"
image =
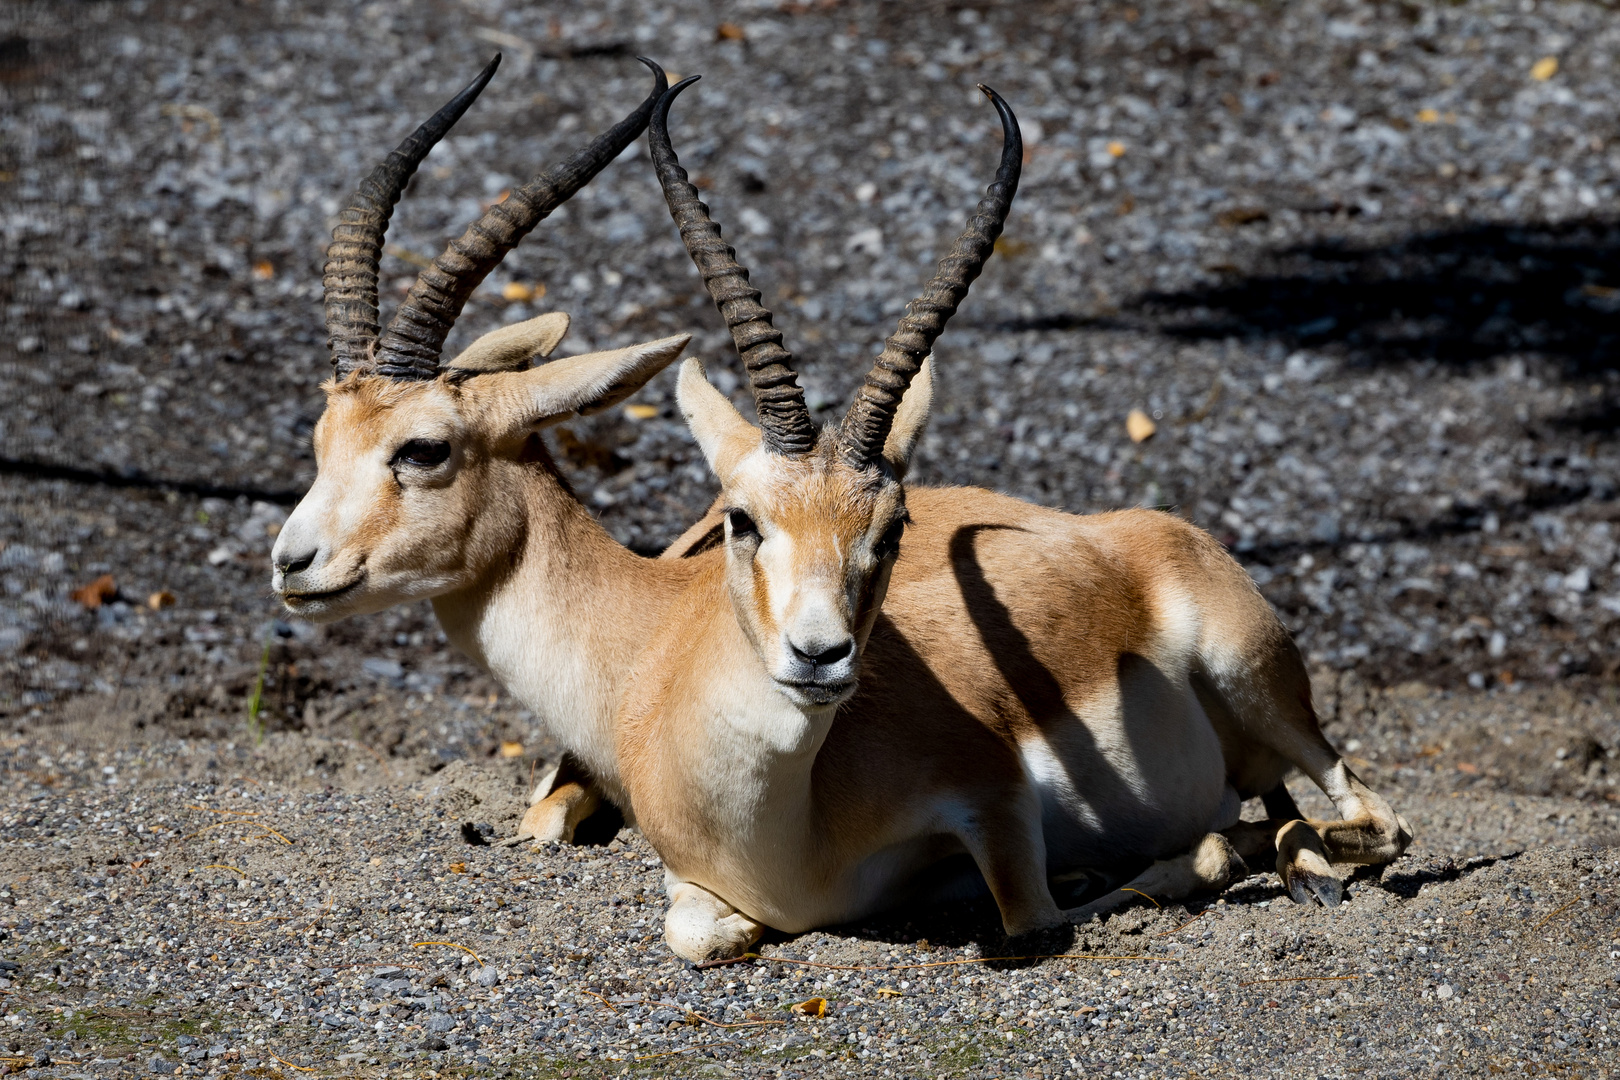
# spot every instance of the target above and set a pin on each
(1544, 69)
(96, 593)
(1428, 116)
(511, 749)
(520, 290)
(1140, 426)
(1116, 149)
(161, 599)
(264, 270)
(884, 991)
(814, 1007)
(640, 412)
(458, 868)
(729, 32)
(1468, 767)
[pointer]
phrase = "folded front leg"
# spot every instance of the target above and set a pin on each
(701, 927)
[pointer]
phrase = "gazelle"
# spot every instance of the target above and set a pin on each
(434, 482)
(1046, 693)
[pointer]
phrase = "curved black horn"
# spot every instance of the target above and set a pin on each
(409, 348)
(351, 261)
(778, 399)
(866, 425)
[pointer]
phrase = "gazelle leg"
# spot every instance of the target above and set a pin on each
(1007, 844)
(1265, 702)
(564, 797)
(1209, 867)
(700, 927)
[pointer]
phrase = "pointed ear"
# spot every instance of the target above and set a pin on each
(721, 432)
(579, 385)
(512, 347)
(910, 419)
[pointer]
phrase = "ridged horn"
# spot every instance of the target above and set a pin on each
(866, 425)
(351, 262)
(778, 399)
(410, 347)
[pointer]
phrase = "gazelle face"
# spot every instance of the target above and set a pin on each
(393, 514)
(419, 486)
(810, 540)
(809, 544)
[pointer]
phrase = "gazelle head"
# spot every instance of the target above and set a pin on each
(813, 519)
(418, 462)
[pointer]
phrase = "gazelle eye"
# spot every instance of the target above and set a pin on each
(740, 524)
(423, 453)
(889, 543)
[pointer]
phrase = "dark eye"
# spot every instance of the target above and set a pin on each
(889, 543)
(423, 453)
(740, 524)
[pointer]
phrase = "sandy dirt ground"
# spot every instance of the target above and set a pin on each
(1359, 262)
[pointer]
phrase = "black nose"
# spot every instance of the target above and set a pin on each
(827, 657)
(297, 562)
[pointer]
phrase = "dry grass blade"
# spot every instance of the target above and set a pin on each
(1143, 895)
(602, 999)
(453, 945)
(227, 813)
(290, 1065)
(1554, 914)
(225, 866)
(1183, 926)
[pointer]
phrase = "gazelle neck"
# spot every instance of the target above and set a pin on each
(560, 619)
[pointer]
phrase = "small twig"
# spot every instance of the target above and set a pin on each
(290, 1065)
(1183, 926)
(1143, 895)
(1555, 914)
(600, 998)
(1301, 978)
(275, 834)
(453, 945)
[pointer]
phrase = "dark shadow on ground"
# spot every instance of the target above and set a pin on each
(1456, 296)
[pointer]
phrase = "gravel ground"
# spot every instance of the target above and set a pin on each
(1358, 261)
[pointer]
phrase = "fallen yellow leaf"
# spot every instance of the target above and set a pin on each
(263, 270)
(511, 749)
(729, 32)
(1544, 69)
(161, 599)
(1116, 149)
(640, 412)
(884, 991)
(521, 290)
(1428, 116)
(814, 1007)
(1140, 426)
(93, 594)
(458, 868)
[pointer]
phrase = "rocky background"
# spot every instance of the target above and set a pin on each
(1356, 264)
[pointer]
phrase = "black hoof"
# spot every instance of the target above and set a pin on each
(1305, 887)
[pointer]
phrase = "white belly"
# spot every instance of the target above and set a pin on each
(1141, 776)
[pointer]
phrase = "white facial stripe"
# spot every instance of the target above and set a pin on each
(775, 560)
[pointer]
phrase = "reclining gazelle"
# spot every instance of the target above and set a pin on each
(1046, 693)
(1089, 691)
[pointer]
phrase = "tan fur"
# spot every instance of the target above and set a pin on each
(1017, 650)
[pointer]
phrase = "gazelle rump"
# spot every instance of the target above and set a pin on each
(1043, 692)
